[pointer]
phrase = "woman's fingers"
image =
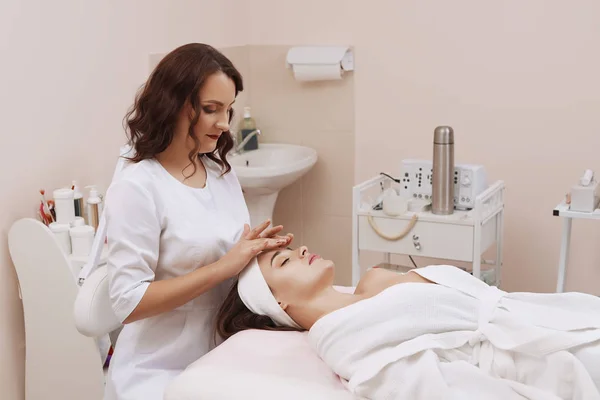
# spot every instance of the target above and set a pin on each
(287, 238)
(268, 244)
(254, 233)
(271, 232)
(267, 238)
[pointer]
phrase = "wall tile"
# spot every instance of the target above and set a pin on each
(281, 101)
(328, 185)
(278, 134)
(288, 211)
(331, 237)
(239, 56)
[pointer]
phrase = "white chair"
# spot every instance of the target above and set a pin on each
(60, 363)
(62, 320)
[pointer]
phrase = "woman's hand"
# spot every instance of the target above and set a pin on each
(273, 234)
(253, 242)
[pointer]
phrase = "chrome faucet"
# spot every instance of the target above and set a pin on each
(239, 148)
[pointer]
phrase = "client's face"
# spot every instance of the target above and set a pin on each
(295, 275)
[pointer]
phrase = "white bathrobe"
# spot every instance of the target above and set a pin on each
(462, 339)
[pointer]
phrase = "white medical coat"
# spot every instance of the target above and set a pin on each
(158, 228)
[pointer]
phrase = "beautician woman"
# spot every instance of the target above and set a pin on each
(176, 222)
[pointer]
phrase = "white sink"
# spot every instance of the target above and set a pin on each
(264, 172)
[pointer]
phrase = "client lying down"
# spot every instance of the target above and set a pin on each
(434, 333)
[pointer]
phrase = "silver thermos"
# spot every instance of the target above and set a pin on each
(443, 171)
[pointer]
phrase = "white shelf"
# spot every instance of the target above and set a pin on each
(562, 210)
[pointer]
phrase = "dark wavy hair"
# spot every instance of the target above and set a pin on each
(178, 77)
(233, 317)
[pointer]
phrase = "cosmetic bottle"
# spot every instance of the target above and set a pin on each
(78, 200)
(94, 207)
(61, 232)
(82, 239)
(78, 221)
(247, 126)
(63, 202)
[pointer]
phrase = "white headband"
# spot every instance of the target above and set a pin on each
(257, 296)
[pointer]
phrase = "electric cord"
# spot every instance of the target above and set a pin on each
(398, 236)
(397, 180)
(413, 261)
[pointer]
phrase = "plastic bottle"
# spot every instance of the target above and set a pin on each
(247, 126)
(78, 200)
(82, 239)
(61, 232)
(64, 206)
(94, 207)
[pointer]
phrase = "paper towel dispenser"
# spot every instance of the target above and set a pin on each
(320, 62)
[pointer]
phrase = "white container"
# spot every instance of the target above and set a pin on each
(78, 221)
(64, 205)
(82, 238)
(61, 232)
(585, 198)
(393, 203)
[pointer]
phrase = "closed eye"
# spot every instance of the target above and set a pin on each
(276, 254)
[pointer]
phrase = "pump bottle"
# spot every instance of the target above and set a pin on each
(247, 126)
(94, 207)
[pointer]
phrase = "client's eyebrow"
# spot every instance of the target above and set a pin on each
(278, 252)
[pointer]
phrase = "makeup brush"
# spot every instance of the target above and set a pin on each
(43, 215)
(45, 203)
(52, 207)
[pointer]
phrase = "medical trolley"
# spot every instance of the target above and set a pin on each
(462, 236)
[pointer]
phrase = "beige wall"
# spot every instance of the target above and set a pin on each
(69, 71)
(517, 80)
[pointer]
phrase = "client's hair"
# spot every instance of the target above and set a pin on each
(234, 317)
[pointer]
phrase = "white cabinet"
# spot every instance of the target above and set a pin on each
(461, 236)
